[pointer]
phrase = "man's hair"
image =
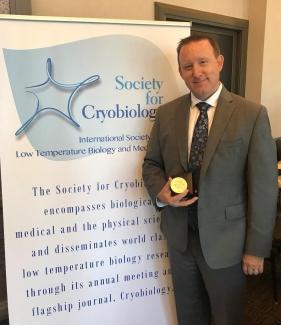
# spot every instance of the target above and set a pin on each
(198, 38)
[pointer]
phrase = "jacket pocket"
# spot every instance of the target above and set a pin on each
(235, 212)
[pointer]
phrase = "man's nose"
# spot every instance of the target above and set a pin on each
(196, 71)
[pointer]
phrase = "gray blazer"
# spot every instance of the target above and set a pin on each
(238, 180)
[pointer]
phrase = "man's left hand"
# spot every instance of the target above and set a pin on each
(252, 265)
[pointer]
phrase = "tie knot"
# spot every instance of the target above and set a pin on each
(203, 106)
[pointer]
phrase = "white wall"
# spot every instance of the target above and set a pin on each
(271, 84)
(264, 53)
(132, 9)
(264, 50)
(257, 15)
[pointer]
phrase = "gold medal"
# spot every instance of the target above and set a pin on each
(178, 185)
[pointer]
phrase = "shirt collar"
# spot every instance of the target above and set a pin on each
(212, 100)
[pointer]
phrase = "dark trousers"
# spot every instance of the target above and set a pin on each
(203, 294)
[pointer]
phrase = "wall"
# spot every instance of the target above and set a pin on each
(128, 9)
(257, 15)
(271, 85)
(264, 52)
(262, 82)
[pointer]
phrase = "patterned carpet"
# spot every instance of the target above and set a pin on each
(261, 308)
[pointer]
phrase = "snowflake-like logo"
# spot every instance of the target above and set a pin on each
(76, 87)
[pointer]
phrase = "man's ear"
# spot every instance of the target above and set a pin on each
(220, 60)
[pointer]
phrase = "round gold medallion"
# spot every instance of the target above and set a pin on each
(178, 185)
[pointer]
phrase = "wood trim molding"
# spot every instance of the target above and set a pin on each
(20, 7)
(171, 12)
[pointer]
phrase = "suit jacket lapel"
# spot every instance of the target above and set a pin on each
(181, 128)
(222, 116)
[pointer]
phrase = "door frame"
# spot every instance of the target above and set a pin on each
(239, 27)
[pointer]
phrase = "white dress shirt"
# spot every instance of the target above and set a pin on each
(194, 113)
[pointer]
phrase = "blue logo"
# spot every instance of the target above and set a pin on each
(76, 87)
(89, 96)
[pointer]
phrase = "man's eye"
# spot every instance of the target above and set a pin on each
(203, 62)
(187, 67)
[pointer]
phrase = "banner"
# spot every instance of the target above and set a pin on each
(78, 99)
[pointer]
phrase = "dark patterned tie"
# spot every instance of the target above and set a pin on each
(198, 144)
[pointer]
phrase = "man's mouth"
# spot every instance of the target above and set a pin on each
(198, 81)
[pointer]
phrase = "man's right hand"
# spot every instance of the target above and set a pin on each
(165, 196)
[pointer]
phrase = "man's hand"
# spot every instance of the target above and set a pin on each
(252, 265)
(165, 196)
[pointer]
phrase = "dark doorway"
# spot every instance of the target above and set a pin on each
(230, 33)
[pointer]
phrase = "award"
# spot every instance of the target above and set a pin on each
(178, 185)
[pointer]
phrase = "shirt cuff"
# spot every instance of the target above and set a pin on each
(160, 204)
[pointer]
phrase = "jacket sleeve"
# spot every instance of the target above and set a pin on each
(153, 166)
(262, 188)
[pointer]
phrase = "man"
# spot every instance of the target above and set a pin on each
(225, 230)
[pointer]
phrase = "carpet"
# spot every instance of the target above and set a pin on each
(261, 308)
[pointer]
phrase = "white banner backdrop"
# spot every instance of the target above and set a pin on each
(77, 102)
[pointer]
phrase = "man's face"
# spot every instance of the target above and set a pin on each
(200, 68)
